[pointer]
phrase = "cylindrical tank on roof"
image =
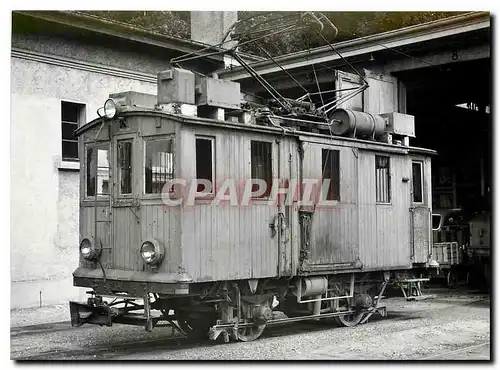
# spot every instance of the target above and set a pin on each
(347, 122)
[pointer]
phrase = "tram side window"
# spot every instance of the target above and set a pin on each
(125, 167)
(331, 171)
(261, 164)
(417, 182)
(382, 179)
(97, 171)
(159, 164)
(205, 163)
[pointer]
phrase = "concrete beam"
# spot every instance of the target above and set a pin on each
(460, 24)
(437, 58)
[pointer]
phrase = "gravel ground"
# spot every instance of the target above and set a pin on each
(39, 315)
(436, 329)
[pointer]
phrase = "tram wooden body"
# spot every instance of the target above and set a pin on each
(215, 266)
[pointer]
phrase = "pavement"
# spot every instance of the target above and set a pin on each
(21, 317)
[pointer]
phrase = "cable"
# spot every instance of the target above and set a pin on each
(342, 57)
(280, 66)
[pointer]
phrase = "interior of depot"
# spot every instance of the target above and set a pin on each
(452, 110)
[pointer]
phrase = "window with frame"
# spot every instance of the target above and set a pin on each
(158, 164)
(436, 221)
(124, 149)
(261, 165)
(205, 163)
(382, 179)
(97, 170)
(417, 184)
(72, 114)
(331, 170)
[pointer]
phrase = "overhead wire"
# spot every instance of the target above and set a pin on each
(314, 70)
(252, 30)
(281, 67)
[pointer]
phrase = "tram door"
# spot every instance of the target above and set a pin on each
(286, 168)
(125, 205)
(329, 230)
(420, 211)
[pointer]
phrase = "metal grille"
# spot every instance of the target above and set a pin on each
(159, 164)
(331, 170)
(383, 179)
(261, 164)
(125, 166)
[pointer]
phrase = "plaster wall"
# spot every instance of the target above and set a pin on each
(44, 197)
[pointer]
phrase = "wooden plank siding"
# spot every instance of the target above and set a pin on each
(212, 241)
(221, 241)
(384, 229)
(126, 240)
(88, 229)
(421, 217)
(334, 228)
(163, 224)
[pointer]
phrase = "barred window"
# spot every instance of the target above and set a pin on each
(261, 165)
(97, 170)
(417, 187)
(159, 164)
(125, 167)
(331, 170)
(72, 114)
(383, 179)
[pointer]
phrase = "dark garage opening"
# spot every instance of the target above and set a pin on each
(452, 109)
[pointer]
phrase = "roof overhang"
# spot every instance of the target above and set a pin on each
(403, 37)
(97, 25)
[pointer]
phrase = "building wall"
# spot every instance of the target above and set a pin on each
(210, 27)
(44, 191)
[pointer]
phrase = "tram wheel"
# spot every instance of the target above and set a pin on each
(349, 320)
(250, 333)
(194, 325)
(451, 279)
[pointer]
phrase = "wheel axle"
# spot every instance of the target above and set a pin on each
(229, 328)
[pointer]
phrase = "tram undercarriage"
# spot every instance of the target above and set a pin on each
(241, 310)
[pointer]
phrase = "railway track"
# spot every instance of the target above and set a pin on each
(104, 352)
(178, 341)
(447, 355)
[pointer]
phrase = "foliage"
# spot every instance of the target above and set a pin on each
(350, 25)
(176, 24)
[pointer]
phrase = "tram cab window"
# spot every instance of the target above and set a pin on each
(261, 165)
(125, 167)
(382, 179)
(417, 187)
(331, 170)
(205, 163)
(158, 164)
(97, 170)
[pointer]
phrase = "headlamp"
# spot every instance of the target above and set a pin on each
(88, 250)
(110, 109)
(152, 252)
